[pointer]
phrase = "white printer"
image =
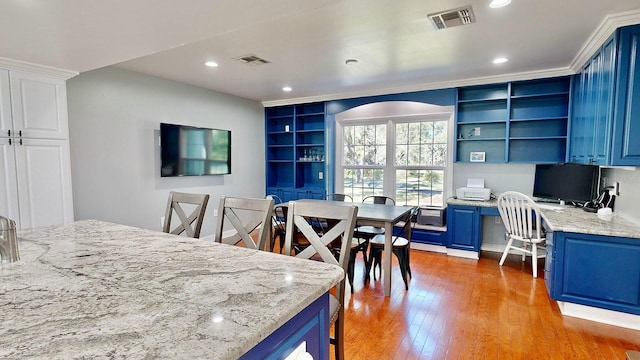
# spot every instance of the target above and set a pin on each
(474, 190)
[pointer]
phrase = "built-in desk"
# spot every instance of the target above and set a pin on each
(592, 266)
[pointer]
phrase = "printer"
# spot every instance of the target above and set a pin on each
(474, 190)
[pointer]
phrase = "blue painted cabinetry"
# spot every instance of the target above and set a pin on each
(606, 104)
(311, 325)
(594, 270)
(295, 154)
(626, 139)
(523, 121)
(463, 227)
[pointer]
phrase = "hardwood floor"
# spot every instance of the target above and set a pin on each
(466, 309)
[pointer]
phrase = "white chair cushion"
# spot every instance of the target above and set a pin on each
(370, 229)
(379, 240)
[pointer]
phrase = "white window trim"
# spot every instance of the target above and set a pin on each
(384, 116)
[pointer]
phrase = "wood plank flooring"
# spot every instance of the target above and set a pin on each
(466, 309)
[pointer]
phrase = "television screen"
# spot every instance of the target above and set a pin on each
(568, 182)
(194, 151)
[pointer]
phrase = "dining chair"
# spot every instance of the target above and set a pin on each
(522, 221)
(324, 247)
(190, 224)
(339, 197)
(401, 248)
(245, 215)
(364, 233)
(278, 225)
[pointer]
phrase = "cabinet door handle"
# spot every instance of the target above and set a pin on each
(9, 141)
(20, 141)
(9, 132)
(20, 134)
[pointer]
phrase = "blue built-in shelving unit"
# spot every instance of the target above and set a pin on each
(524, 121)
(296, 158)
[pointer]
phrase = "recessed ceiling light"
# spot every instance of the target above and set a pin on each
(351, 61)
(499, 3)
(211, 64)
(500, 60)
(287, 88)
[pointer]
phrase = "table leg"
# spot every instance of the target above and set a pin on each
(388, 234)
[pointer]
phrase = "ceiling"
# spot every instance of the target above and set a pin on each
(308, 41)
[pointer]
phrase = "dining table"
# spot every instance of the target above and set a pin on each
(383, 216)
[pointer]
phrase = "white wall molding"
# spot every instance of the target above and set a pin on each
(11, 64)
(601, 34)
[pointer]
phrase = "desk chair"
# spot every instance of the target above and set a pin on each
(521, 218)
(190, 224)
(245, 216)
(321, 247)
(401, 246)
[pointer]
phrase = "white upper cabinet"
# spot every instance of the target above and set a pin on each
(39, 106)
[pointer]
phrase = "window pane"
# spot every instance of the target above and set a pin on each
(401, 155)
(402, 131)
(363, 182)
(419, 187)
(440, 132)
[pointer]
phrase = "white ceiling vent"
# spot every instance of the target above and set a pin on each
(453, 17)
(252, 60)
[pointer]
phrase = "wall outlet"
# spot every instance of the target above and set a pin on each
(320, 175)
(215, 212)
(161, 221)
(498, 220)
(476, 131)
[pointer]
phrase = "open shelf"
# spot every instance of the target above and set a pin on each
(512, 122)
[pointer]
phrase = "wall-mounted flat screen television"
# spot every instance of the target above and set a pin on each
(568, 182)
(194, 151)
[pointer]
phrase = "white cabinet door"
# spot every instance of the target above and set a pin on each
(39, 106)
(44, 182)
(8, 182)
(5, 105)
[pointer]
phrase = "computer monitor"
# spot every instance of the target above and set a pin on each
(568, 182)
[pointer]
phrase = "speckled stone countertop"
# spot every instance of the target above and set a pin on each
(97, 290)
(572, 219)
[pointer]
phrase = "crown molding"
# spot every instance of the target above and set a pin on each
(18, 65)
(529, 75)
(601, 34)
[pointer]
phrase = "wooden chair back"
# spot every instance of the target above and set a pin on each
(245, 216)
(521, 216)
(190, 224)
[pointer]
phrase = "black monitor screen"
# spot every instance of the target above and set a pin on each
(568, 182)
(194, 151)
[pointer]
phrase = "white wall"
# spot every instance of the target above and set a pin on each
(114, 121)
(499, 178)
(628, 203)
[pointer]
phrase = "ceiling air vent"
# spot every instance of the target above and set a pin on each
(451, 18)
(252, 60)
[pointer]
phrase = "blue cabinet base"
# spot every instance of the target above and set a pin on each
(310, 325)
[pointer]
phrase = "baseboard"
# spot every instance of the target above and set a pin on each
(610, 317)
(464, 254)
(428, 247)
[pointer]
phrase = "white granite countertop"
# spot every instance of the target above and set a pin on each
(572, 219)
(96, 290)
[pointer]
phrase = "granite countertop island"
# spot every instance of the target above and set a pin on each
(99, 290)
